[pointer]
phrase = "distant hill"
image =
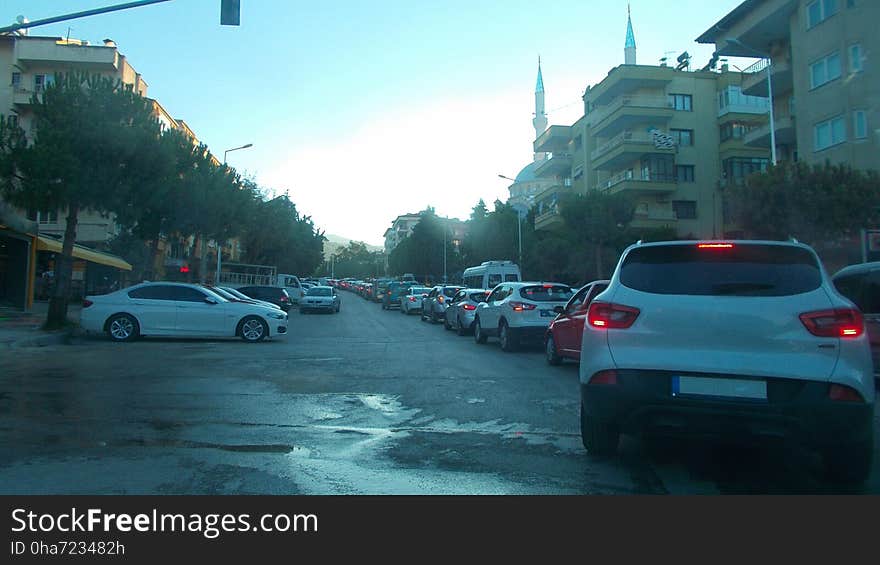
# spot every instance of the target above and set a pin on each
(335, 242)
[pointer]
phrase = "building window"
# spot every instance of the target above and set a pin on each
(39, 82)
(825, 70)
(737, 169)
(683, 137)
(43, 216)
(685, 209)
(860, 124)
(682, 102)
(16, 80)
(855, 58)
(578, 142)
(684, 173)
(828, 133)
(819, 11)
(735, 130)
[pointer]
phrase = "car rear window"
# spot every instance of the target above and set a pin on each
(479, 296)
(511, 278)
(418, 290)
(546, 293)
(451, 291)
(318, 292)
(741, 270)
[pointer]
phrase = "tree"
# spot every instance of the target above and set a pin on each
(274, 233)
(598, 219)
(815, 204)
(88, 134)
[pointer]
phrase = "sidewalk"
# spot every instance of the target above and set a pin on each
(22, 329)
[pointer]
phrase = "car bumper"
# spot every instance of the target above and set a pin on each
(642, 403)
(280, 330)
(319, 306)
(528, 333)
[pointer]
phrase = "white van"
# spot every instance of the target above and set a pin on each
(490, 274)
(292, 285)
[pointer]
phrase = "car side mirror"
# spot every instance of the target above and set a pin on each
(210, 300)
(559, 309)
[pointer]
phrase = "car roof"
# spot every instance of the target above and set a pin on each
(534, 283)
(857, 269)
(787, 243)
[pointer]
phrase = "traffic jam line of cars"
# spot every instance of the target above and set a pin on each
(748, 341)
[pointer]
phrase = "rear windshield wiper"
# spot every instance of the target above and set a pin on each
(743, 288)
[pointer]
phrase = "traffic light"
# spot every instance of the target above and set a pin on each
(230, 12)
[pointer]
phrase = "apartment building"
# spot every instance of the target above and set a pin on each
(825, 87)
(669, 137)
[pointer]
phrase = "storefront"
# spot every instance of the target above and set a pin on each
(93, 272)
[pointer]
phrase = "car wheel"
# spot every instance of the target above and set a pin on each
(123, 327)
(552, 356)
(599, 438)
(479, 336)
(508, 342)
(849, 463)
(253, 329)
(460, 329)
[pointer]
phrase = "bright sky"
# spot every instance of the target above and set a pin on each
(366, 110)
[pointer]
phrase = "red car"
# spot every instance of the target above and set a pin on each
(563, 338)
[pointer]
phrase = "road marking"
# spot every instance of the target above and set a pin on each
(317, 359)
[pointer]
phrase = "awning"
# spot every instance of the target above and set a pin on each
(84, 253)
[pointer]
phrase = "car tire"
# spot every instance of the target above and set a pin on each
(849, 463)
(123, 327)
(599, 438)
(479, 336)
(551, 355)
(460, 330)
(508, 341)
(253, 329)
(402, 311)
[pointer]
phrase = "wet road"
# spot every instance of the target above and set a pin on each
(363, 402)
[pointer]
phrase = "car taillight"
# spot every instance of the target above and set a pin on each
(283, 299)
(714, 246)
(844, 393)
(87, 303)
(839, 322)
(468, 306)
(441, 299)
(608, 377)
(611, 316)
(412, 298)
(520, 306)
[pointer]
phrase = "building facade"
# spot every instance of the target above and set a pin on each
(825, 87)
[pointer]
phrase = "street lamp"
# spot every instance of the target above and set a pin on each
(769, 92)
(220, 247)
(235, 149)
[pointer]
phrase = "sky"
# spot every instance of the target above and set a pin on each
(361, 111)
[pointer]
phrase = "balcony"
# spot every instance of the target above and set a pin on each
(654, 220)
(627, 111)
(638, 183)
(22, 96)
(735, 105)
(760, 136)
(559, 164)
(554, 139)
(50, 52)
(754, 79)
(626, 147)
(625, 79)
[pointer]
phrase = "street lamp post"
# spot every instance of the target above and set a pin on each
(769, 92)
(220, 247)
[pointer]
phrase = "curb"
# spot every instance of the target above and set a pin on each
(59, 337)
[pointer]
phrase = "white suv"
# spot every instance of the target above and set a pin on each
(519, 311)
(745, 340)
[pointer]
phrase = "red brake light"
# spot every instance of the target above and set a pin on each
(87, 303)
(469, 307)
(604, 378)
(520, 306)
(412, 298)
(441, 299)
(844, 394)
(611, 316)
(714, 246)
(840, 322)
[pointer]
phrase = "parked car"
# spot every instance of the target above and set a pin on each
(381, 289)
(320, 298)
(861, 284)
(435, 304)
(275, 294)
(237, 294)
(178, 310)
(238, 297)
(563, 337)
(519, 311)
(411, 300)
(462, 307)
(747, 340)
(392, 296)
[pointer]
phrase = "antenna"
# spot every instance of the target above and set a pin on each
(684, 61)
(665, 57)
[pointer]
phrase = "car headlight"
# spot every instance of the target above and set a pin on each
(278, 315)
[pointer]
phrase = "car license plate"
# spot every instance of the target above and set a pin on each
(548, 313)
(719, 387)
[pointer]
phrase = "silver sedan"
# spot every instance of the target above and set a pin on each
(320, 298)
(461, 310)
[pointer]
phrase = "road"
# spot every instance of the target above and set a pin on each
(362, 402)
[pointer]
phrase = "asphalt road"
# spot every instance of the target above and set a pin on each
(362, 402)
